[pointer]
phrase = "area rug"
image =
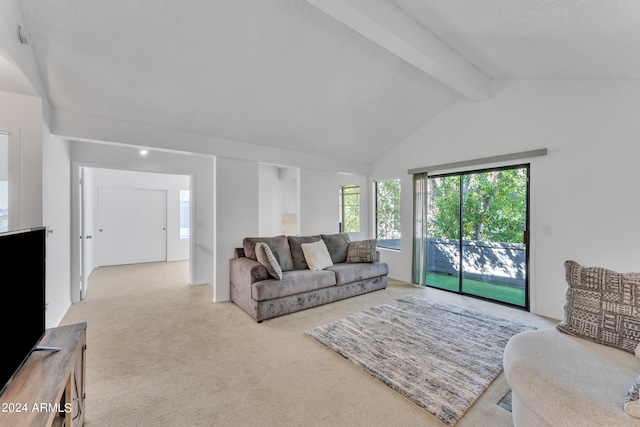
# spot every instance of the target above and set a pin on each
(440, 356)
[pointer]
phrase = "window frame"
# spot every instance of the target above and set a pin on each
(184, 216)
(397, 245)
(341, 226)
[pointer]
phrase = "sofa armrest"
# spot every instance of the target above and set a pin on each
(245, 271)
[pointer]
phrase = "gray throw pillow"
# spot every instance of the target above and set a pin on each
(266, 258)
(338, 246)
(602, 306)
(279, 245)
(295, 242)
(362, 251)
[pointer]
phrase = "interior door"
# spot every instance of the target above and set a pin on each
(151, 225)
(131, 226)
(116, 227)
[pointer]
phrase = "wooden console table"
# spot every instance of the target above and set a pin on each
(49, 388)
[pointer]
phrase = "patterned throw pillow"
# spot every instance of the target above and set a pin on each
(362, 251)
(267, 258)
(602, 306)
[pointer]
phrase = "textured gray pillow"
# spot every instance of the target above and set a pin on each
(362, 251)
(338, 246)
(602, 306)
(266, 258)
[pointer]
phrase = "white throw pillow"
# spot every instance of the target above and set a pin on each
(317, 255)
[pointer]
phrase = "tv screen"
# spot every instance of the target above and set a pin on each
(22, 306)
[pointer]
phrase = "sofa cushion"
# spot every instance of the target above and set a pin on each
(279, 245)
(297, 256)
(293, 282)
(352, 272)
(602, 306)
(337, 244)
(362, 251)
(316, 255)
(266, 258)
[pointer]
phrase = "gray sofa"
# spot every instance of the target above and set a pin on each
(262, 295)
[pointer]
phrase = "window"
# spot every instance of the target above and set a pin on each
(350, 208)
(388, 213)
(184, 214)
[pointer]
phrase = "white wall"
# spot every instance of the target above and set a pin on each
(237, 213)
(290, 193)
(25, 112)
(22, 116)
(83, 127)
(56, 201)
(585, 189)
(320, 201)
(270, 200)
(279, 200)
(177, 249)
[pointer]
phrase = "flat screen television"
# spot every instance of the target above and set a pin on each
(22, 306)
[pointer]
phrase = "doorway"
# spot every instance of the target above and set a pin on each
(131, 217)
(477, 230)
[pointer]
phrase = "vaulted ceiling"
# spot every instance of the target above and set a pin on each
(347, 78)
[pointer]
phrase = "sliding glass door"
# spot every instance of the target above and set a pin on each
(477, 226)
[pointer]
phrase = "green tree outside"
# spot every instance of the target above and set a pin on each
(388, 209)
(350, 208)
(493, 206)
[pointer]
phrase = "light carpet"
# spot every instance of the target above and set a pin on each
(440, 356)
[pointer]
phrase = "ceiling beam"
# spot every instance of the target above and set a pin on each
(387, 25)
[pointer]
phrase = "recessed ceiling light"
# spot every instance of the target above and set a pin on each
(144, 152)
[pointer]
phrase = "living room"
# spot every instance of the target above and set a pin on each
(583, 203)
